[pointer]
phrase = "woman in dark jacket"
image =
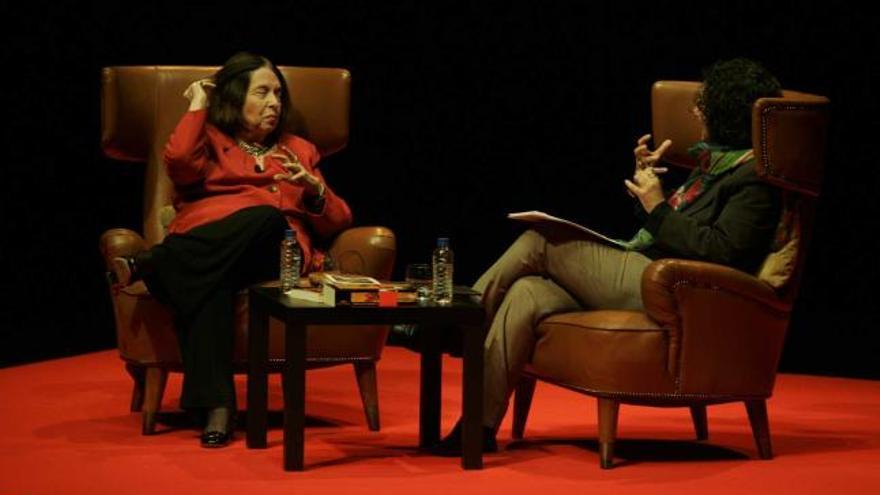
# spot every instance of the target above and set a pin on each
(723, 213)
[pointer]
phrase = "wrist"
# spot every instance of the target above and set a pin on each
(651, 201)
(198, 104)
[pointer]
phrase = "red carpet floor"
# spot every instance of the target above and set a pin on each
(66, 430)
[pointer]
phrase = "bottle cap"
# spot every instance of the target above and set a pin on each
(443, 242)
(289, 234)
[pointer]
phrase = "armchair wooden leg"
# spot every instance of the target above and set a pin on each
(522, 403)
(137, 392)
(757, 410)
(366, 378)
(608, 409)
(154, 389)
(701, 422)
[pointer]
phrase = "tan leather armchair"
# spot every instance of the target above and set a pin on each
(140, 107)
(709, 334)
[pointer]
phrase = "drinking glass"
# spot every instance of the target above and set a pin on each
(419, 275)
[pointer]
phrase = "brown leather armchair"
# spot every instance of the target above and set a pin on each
(709, 334)
(140, 107)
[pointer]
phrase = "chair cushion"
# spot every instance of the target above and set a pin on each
(615, 351)
(778, 267)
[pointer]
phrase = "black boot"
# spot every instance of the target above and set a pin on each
(450, 446)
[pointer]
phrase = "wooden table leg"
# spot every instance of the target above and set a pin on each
(472, 399)
(257, 379)
(429, 394)
(294, 384)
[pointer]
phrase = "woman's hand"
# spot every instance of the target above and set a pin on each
(297, 174)
(645, 158)
(646, 187)
(197, 94)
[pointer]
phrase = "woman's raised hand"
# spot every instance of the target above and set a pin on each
(197, 93)
(645, 184)
(647, 158)
(297, 174)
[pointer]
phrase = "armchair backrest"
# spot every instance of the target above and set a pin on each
(789, 137)
(788, 133)
(140, 105)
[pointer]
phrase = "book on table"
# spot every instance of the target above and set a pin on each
(345, 281)
(332, 288)
(388, 295)
(365, 293)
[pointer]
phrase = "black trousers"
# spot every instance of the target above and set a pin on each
(197, 274)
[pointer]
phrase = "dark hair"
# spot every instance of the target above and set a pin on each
(227, 99)
(730, 89)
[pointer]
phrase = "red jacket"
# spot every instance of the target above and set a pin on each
(214, 178)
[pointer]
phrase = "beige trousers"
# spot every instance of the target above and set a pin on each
(537, 276)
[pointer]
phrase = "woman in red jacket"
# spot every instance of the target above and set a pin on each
(240, 180)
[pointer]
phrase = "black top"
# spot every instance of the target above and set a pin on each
(733, 223)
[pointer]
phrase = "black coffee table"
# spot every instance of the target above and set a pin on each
(465, 312)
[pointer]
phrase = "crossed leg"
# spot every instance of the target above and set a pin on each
(539, 275)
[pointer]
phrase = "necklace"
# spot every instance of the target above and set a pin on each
(255, 150)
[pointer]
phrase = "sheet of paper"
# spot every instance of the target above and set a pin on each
(535, 216)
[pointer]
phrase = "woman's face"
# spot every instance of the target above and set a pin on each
(262, 104)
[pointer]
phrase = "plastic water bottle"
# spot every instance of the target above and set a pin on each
(442, 264)
(291, 261)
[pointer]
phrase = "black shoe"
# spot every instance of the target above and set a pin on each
(122, 270)
(126, 270)
(215, 439)
(451, 445)
(406, 336)
(410, 337)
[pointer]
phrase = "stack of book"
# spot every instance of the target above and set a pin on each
(332, 289)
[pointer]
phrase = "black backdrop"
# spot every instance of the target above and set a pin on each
(462, 112)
